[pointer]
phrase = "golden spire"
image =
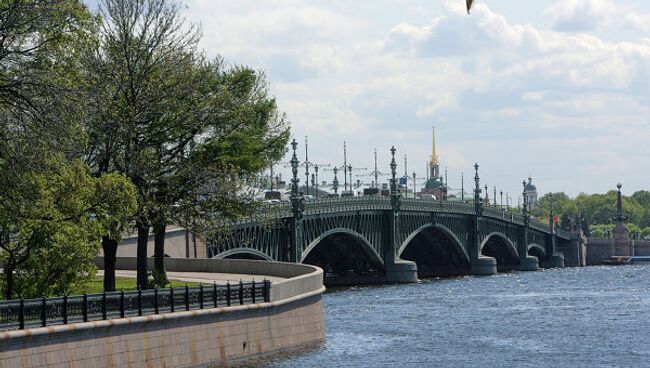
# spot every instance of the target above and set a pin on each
(434, 156)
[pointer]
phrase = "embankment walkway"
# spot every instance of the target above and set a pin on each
(291, 317)
(204, 277)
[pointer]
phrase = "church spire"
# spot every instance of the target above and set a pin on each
(434, 156)
(434, 168)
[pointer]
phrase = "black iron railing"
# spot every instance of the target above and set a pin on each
(30, 313)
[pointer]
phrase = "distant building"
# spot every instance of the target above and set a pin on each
(530, 191)
(435, 185)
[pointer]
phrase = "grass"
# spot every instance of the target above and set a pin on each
(96, 285)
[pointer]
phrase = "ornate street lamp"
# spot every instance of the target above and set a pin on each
(413, 184)
(335, 183)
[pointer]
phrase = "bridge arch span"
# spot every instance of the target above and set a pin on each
(436, 250)
(244, 253)
(498, 246)
(344, 252)
(538, 251)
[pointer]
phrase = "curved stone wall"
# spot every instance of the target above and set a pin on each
(292, 320)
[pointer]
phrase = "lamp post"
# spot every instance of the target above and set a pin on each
(501, 194)
(413, 184)
(477, 191)
(316, 179)
(487, 200)
(393, 172)
(350, 170)
(525, 209)
(294, 170)
(306, 168)
(462, 186)
(345, 167)
(335, 183)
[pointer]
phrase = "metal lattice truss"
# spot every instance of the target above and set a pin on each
(366, 219)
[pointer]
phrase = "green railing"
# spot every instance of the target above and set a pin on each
(345, 204)
(380, 203)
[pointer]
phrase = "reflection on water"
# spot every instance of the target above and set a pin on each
(577, 317)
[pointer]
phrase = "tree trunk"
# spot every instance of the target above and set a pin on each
(159, 253)
(143, 240)
(9, 278)
(110, 251)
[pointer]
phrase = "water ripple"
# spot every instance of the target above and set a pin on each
(574, 317)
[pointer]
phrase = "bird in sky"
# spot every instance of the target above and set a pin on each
(469, 5)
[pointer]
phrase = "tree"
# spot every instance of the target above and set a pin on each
(164, 116)
(38, 41)
(48, 215)
(137, 79)
(49, 246)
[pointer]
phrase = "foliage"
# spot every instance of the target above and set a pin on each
(168, 135)
(185, 130)
(95, 285)
(49, 245)
(598, 210)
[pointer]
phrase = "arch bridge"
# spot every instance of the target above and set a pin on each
(391, 239)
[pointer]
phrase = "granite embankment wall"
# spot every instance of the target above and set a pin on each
(292, 320)
(601, 249)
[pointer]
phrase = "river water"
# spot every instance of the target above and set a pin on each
(572, 317)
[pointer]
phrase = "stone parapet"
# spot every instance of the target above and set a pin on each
(198, 338)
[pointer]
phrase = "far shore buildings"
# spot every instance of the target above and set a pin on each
(530, 191)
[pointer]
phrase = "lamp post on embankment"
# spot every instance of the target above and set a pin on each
(480, 265)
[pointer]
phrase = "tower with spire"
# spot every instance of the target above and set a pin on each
(435, 186)
(434, 167)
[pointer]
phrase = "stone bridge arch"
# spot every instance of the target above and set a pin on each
(436, 250)
(538, 251)
(344, 253)
(498, 246)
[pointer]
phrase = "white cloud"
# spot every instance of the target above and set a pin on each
(492, 85)
(533, 96)
(587, 15)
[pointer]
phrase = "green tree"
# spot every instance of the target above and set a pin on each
(237, 132)
(50, 209)
(645, 233)
(186, 131)
(49, 245)
(138, 78)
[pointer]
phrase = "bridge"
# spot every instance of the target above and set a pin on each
(394, 239)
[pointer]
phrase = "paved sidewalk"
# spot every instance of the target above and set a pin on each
(202, 277)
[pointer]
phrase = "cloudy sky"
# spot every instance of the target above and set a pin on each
(555, 89)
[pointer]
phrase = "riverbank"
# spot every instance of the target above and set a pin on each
(291, 319)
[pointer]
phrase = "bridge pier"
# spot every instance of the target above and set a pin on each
(484, 266)
(575, 251)
(529, 263)
(402, 272)
(556, 261)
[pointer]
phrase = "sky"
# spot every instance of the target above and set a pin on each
(555, 89)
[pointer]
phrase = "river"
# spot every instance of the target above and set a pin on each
(572, 317)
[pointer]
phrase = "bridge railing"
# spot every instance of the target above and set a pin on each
(342, 204)
(370, 203)
(432, 205)
(31, 313)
